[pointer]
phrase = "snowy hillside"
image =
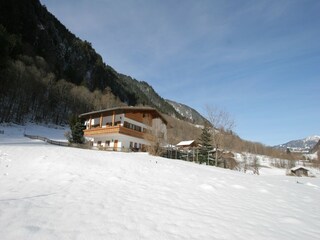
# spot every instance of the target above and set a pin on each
(51, 192)
(301, 145)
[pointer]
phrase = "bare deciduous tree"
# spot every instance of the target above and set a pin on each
(156, 146)
(222, 123)
(255, 165)
(245, 163)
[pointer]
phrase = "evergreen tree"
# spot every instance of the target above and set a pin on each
(77, 128)
(206, 138)
(205, 141)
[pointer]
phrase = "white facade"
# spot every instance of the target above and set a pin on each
(118, 142)
(121, 142)
(124, 128)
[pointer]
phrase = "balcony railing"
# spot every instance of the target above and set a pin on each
(101, 130)
(117, 129)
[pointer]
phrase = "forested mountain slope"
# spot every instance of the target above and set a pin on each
(48, 74)
(188, 113)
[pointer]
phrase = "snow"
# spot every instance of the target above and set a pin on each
(298, 167)
(185, 143)
(311, 156)
(13, 132)
(314, 138)
(52, 192)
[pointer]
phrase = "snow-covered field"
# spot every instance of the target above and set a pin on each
(52, 192)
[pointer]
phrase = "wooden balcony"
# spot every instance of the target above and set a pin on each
(100, 130)
(116, 129)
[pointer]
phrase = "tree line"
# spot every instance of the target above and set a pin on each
(218, 133)
(33, 31)
(29, 92)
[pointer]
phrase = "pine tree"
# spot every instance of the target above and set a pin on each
(206, 138)
(77, 128)
(205, 141)
(77, 133)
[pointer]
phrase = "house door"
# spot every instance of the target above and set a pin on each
(115, 145)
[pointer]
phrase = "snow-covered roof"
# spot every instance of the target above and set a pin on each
(298, 167)
(185, 143)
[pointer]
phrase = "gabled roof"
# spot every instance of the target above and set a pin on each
(125, 109)
(185, 143)
(298, 167)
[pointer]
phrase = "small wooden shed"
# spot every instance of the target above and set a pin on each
(299, 171)
(187, 144)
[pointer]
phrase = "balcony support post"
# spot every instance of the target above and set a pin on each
(113, 117)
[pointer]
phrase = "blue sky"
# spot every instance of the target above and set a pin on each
(258, 60)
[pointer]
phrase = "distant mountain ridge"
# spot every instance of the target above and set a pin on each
(301, 145)
(146, 95)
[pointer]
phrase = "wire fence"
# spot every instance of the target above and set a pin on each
(192, 155)
(65, 144)
(202, 156)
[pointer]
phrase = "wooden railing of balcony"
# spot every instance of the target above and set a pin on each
(117, 129)
(100, 130)
(131, 132)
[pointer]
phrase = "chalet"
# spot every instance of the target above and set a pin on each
(123, 128)
(299, 171)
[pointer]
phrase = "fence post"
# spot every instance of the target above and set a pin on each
(193, 154)
(197, 155)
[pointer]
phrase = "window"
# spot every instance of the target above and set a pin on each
(132, 126)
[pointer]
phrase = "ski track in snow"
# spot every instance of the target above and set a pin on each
(50, 192)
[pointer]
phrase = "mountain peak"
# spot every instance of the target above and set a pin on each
(301, 145)
(312, 138)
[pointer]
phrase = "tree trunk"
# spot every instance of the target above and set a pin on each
(216, 162)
